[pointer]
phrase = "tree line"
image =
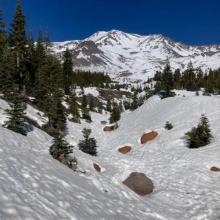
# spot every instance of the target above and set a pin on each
(191, 79)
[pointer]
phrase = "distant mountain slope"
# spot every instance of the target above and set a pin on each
(136, 57)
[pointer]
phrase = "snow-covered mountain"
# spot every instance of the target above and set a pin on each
(35, 186)
(136, 57)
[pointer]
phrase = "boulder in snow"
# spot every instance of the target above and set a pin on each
(111, 127)
(148, 137)
(139, 183)
(215, 169)
(97, 167)
(124, 150)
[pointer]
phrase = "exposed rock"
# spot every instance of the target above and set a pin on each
(139, 183)
(97, 167)
(103, 122)
(125, 150)
(148, 137)
(215, 169)
(110, 127)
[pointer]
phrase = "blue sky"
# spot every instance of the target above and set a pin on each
(188, 21)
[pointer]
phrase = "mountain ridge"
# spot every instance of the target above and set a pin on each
(125, 55)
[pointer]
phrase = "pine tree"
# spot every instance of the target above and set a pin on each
(56, 114)
(86, 115)
(84, 102)
(88, 145)
(73, 107)
(16, 114)
(3, 35)
(17, 40)
(67, 71)
(49, 80)
(31, 66)
(7, 74)
(167, 78)
(189, 76)
(40, 50)
(115, 114)
(199, 136)
(60, 147)
(134, 103)
(109, 105)
(91, 104)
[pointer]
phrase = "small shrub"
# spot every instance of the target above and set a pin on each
(168, 125)
(88, 145)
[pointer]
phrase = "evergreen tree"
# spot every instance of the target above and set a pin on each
(84, 102)
(73, 107)
(177, 79)
(189, 78)
(49, 80)
(17, 39)
(16, 114)
(67, 71)
(86, 115)
(31, 66)
(85, 111)
(56, 114)
(199, 136)
(167, 78)
(7, 73)
(91, 104)
(40, 49)
(3, 35)
(109, 105)
(60, 147)
(134, 103)
(115, 114)
(88, 145)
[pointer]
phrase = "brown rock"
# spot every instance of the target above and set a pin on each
(110, 127)
(139, 183)
(124, 150)
(148, 137)
(97, 167)
(215, 169)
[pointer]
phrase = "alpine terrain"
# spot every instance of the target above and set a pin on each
(114, 127)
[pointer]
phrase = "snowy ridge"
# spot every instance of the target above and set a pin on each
(34, 186)
(125, 55)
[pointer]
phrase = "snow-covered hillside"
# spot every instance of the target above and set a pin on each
(34, 186)
(133, 56)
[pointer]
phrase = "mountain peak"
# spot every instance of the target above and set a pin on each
(134, 56)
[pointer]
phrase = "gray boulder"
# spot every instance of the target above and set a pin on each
(139, 183)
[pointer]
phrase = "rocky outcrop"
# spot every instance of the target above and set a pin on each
(139, 183)
(148, 137)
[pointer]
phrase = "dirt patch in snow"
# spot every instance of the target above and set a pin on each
(139, 183)
(148, 137)
(125, 149)
(215, 169)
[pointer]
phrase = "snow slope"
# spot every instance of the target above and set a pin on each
(133, 56)
(34, 186)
